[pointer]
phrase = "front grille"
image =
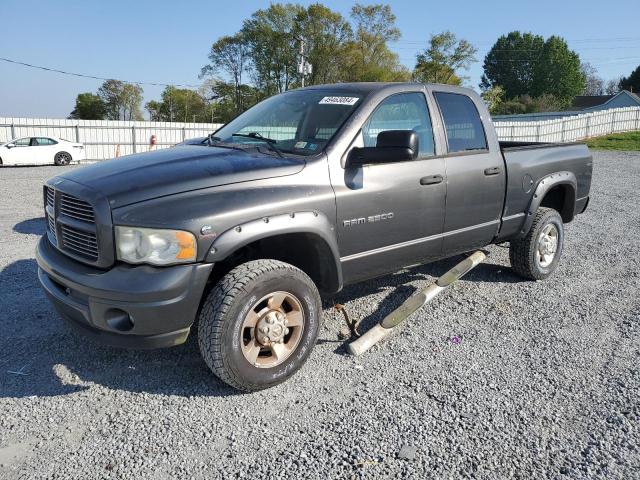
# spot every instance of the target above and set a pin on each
(52, 227)
(73, 226)
(50, 196)
(75, 208)
(83, 244)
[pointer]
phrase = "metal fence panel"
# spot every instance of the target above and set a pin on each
(102, 138)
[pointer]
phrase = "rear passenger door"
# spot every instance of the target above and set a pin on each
(475, 175)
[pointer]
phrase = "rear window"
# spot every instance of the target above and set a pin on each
(462, 122)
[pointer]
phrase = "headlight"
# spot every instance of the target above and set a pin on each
(155, 246)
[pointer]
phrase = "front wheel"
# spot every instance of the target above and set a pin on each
(259, 324)
(62, 158)
(536, 256)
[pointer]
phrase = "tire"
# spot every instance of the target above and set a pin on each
(62, 159)
(247, 292)
(525, 254)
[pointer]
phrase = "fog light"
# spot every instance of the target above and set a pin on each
(118, 320)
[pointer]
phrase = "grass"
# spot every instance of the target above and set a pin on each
(616, 141)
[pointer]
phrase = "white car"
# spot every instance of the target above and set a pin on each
(40, 151)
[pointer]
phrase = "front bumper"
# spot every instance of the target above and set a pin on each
(126, 306)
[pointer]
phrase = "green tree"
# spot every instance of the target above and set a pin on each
(558, 72)
(494, 98)
(442, 59)
(272, 46)
(368, 55)
(88, 107)
(526, 64)
(122, 100)
(632, 82)
(325, 34)
(179, 105)
(511, 63)
(229, 56)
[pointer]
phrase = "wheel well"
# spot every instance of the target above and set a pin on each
(306, 251)
(562, 199)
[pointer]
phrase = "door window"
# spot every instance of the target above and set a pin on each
(43, 141)
(462, 122)
(22, 142)
(405, 111)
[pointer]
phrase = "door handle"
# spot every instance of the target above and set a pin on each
(492, 171)
(431, 180)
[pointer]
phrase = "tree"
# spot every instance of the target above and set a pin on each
(368, 55)
(594, 84)
(511, 63)
(632, 82)
(325, 34)
(440, 62)
(526, 64)
(229, 55)
(527, 104)
(131, 100)
(558, 72)
(88, 107)
(122, 100)
(613, 86)
(272, 46)
(179, 105)
(494, 98)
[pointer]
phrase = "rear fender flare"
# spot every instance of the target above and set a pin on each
(544, 186)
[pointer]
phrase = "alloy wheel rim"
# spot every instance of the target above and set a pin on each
(547, 245)
(272, 329)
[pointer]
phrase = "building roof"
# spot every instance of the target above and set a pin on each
(586, 101)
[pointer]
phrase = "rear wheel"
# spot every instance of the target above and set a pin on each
(259, 324)
(62, 158)
(536, 256)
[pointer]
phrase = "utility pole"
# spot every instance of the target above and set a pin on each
(304, 67)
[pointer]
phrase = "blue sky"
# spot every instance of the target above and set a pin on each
(168, 42)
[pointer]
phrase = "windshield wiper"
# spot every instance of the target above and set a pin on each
(255, 135)
(270, 142)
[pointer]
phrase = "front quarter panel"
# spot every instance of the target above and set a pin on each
(213, 214)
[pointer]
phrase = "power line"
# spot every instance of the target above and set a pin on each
(94, 77)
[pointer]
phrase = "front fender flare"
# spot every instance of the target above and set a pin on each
(297, 222)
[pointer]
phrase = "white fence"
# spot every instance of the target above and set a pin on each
(102, 137)
(570, 129)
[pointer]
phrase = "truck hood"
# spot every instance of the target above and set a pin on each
(139, 177)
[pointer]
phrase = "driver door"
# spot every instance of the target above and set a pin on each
(391, 215)
(18, 154)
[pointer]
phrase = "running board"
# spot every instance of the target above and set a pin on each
(414, 303)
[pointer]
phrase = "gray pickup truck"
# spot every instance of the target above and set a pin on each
(304, 193)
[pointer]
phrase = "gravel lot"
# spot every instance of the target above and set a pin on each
(544, 382)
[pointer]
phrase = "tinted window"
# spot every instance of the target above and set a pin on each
(405, 111)
(22, 142)
(462, 122)
(44, 141)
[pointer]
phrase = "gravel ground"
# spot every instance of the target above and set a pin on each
(543, 383)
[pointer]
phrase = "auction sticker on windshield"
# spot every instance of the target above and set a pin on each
(339, 101)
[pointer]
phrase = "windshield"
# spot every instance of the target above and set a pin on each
(299, 122)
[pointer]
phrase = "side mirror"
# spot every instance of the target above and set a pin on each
(391, 146)
(10, 145)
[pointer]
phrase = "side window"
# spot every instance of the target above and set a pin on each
(462, 122)
(404, 111)
(43, 141)
(22, 142)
